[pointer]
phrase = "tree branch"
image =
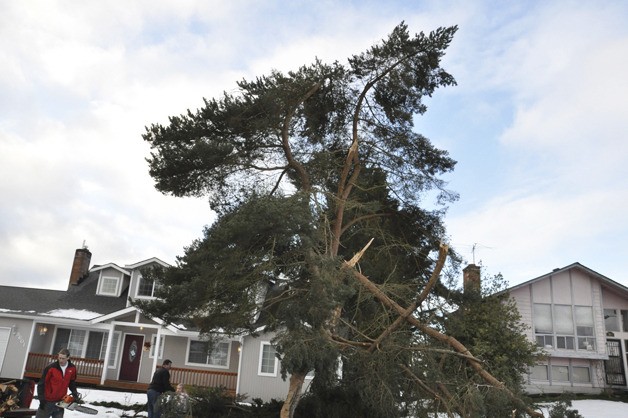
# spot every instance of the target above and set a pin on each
(401, 319)
(472, 361)
(285, 139)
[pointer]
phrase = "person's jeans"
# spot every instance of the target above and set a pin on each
(153, 404)
(50, 410)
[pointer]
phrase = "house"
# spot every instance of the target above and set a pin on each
(110, 341)
(580, 318)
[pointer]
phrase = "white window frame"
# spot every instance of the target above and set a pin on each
(611, 317)
(556, 371)
(71, 343)
(573, 375)
(87, 334)
(115, 351)
(215, 366)
(153, 341)
(101, 286)
(544, 368)
(549, 333)
(262, 345)
(585, 341)
(137, 289)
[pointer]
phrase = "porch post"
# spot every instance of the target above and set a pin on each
(156, 356)
(105, 365)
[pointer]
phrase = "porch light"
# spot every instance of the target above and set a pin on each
(43, 330)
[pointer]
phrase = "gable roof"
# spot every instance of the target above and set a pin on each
(34, 302)
(606, 282)
(145, 262)
(110, 265)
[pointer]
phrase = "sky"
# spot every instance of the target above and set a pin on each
(537, 122)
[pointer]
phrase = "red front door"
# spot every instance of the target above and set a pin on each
(131, 356)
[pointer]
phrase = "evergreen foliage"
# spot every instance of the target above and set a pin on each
(304, 170)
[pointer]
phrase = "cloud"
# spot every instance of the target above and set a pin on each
(561, 191)
(536, 122)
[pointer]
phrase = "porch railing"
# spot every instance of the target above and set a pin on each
(204, 378)
(90, 371)
(87, 370)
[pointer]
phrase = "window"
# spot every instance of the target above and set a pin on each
(95, 345)
(113, 356)
(109, 286)
(624, 321)
(267, 360)
(72, 339)
(218, 357)
(538, 372)
(153, 343)
(543, 325)
(560, 373)
(581, 374)
(611, 320)
(545, 341)
(542, 319)
(564, 327)
(563, 320)
(565, 343)
(146, 287)
(86, 344)
(584, 328)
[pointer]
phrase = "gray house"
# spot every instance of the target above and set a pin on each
(580, 318)
(111, 342)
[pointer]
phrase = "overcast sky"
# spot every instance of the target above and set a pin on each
(537, 123)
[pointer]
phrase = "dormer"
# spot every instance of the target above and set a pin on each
(141, 287)
(111, 279)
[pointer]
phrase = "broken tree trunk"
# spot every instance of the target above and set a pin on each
(294, 394)
(473, 362)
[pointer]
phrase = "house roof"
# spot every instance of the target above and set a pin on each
(148, 261)
(33, 302)
(606, 282)
(110, 265)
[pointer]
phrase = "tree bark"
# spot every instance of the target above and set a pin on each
(294, 394)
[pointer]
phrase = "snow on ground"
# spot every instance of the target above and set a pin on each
(95, 395)
(587, 408)
(594, 408)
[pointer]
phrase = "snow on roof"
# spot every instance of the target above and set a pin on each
(73, 313)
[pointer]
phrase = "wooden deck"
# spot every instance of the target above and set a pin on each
(89, 372)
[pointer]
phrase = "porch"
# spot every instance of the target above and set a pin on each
(89, 372)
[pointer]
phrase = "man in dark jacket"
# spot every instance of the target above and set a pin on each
(158, 385)
(56, 379)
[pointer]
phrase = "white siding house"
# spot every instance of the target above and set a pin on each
(580, 318)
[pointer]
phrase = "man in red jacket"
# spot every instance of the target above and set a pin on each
(56, 379)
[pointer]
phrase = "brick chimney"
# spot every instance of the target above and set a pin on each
(80, 266)
(471, 278)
